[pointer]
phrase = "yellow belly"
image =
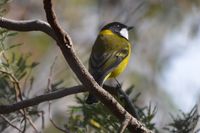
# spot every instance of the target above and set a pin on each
(119, 69)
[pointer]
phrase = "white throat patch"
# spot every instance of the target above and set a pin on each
(124, 33)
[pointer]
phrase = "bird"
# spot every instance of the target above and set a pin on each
(110, 54)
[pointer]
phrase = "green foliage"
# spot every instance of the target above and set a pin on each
(184, 123)
(2, 7)
(14, 69)
(147, 115)
(91, 117)
(97, 118)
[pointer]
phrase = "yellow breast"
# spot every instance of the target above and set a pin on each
(120, 68)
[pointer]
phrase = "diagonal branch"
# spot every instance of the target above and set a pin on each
(49, 87)
(63, 38)
(27, 25)
(124, 124)
(10, 123)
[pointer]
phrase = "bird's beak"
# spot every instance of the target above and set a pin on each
(130, 28)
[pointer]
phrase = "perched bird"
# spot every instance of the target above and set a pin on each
(110, 54)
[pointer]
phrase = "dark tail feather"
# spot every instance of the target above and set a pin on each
(91, 99)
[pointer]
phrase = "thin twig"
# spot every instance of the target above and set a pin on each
(28, 90)
(25, 83)
(31, 122)
(49, 86)
(135, 10)
(124, 123)
(52, 121)
(15, 82)
(4, 56)
(42, 116)
(18, 93)
(24, 119)
(8, 121)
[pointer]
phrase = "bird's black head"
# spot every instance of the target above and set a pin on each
(118, 28)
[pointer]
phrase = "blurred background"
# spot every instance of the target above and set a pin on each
(165, 63)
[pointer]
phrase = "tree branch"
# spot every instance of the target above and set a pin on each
(63, 38)
(124, 124)
(9, 122)
(27, 25)
(5, 109)
(53, 123)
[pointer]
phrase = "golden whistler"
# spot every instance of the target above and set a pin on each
(110, 54)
